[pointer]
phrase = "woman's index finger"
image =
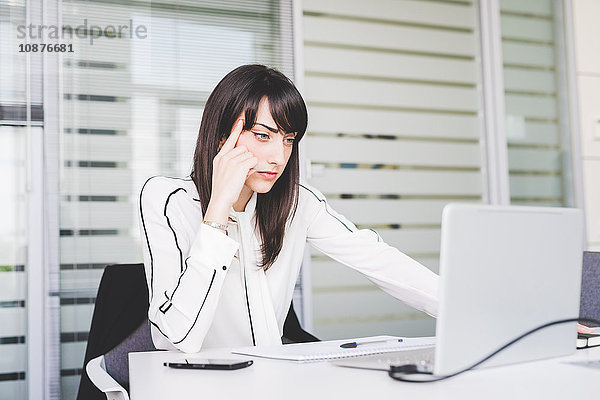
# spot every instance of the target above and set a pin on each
(234, 135)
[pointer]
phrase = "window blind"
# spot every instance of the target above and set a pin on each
(13, 279)
(131, 109)
(14, 200)
(395, 125)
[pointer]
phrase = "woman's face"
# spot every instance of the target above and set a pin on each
(270, 146)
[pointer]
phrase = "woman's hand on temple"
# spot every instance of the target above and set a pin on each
(231, 166)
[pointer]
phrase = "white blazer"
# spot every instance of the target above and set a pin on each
(206, 289)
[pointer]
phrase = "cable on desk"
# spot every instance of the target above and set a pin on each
(417, 375)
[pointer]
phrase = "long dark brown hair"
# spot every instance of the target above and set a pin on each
(239, 91)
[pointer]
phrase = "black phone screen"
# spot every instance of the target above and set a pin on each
(207, 363)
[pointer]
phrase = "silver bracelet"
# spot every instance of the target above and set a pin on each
(216, 225)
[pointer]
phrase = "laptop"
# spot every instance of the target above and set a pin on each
(504, 270)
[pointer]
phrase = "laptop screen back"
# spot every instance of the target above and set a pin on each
(504, 271)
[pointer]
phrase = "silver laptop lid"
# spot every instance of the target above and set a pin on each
(505, 270)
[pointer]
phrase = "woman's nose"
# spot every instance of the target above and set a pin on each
(277, 155)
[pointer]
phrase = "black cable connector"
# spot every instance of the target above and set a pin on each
(419, 375)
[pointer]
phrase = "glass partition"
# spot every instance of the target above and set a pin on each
(537, 113)
(132, 105)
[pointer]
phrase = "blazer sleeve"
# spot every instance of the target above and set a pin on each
(185, 264)
(365, 251)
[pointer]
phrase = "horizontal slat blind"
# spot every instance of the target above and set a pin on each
(131, 109)
(13, 249)
(394, 134)
(399, 123)
(345, 32)
(426, 183)
(377, 151)
(534, 116)
(14, 90)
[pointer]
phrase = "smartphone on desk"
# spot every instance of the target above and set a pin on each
(209, 363)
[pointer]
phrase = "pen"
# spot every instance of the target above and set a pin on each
(353, 345)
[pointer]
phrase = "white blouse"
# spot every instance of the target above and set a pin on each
(206, 289)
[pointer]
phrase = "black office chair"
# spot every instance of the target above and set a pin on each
(590, 286)
(120, 326)
(121, 308)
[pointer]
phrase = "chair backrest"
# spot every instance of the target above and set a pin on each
(590, 286)
(121, 308)
(117, 360)
(292, 330)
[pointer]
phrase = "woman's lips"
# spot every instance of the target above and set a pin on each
(267, 175)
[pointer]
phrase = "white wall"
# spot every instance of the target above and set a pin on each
(586, 14)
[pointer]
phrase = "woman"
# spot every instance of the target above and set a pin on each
(223, 249)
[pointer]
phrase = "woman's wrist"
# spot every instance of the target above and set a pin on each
(216, 225)
(217, 212)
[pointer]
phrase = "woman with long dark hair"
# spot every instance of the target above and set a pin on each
(223, 248)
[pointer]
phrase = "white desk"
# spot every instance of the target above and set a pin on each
(274, 379)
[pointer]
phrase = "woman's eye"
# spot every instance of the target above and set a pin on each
(289, 141)
(261, 136)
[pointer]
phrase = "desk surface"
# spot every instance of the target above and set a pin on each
(275, 379)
